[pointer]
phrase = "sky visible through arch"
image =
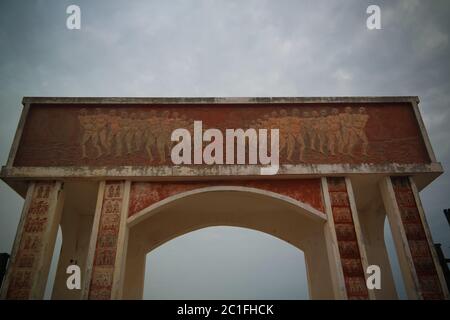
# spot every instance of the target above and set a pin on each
(255, 268)
(228, 48)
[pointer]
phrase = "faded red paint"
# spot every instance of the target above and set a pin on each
(52, 134)
(144, 194)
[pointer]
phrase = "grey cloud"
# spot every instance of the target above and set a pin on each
(228, 48)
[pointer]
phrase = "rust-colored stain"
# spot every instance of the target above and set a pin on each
(139, 135)
(144, 194)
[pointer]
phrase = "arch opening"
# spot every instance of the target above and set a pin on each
(232, 208)
(225, 263)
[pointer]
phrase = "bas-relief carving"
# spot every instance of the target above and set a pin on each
(417, 240)
(124, 133)
(105, 251)
(111, 135)
(347, 241)
(328, 132)
(325, 131)
(31, 243)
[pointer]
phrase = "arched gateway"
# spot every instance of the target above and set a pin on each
(101, 168)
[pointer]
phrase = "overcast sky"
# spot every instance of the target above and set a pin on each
(228, 48)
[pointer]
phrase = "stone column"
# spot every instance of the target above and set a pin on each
(107, 249)
(135, 271)
(346, 248)
(372, 219)
(421, 271)
(35, 240)
(76, 231)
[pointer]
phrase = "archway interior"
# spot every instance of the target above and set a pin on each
(225, 263)
(266, 214)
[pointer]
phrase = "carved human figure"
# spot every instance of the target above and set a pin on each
(314, 122)
(299, 128)
(139, 131)
(88, 133)
(121, 133)
(346, 128)
(287, 139)
(101, 123)
(150, 133)
(293, 132)
(359, 122)
(130, 132)
(305, 130)
(334, 132)
(112, 131)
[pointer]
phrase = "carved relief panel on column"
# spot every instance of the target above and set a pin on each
(425, 268)
(106, 246)
(30, 248)
(349, 250)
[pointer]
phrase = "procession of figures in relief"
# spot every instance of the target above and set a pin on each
(120, 133)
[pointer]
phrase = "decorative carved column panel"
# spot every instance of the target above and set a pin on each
(33, 248)
(109, 236)
(349, 242)
(417, 241)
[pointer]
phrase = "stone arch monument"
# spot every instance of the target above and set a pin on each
(101, 169)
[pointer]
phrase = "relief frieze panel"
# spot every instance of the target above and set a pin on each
(139, 135)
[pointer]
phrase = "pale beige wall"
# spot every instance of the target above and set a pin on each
(372, 217)
(76, 226)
